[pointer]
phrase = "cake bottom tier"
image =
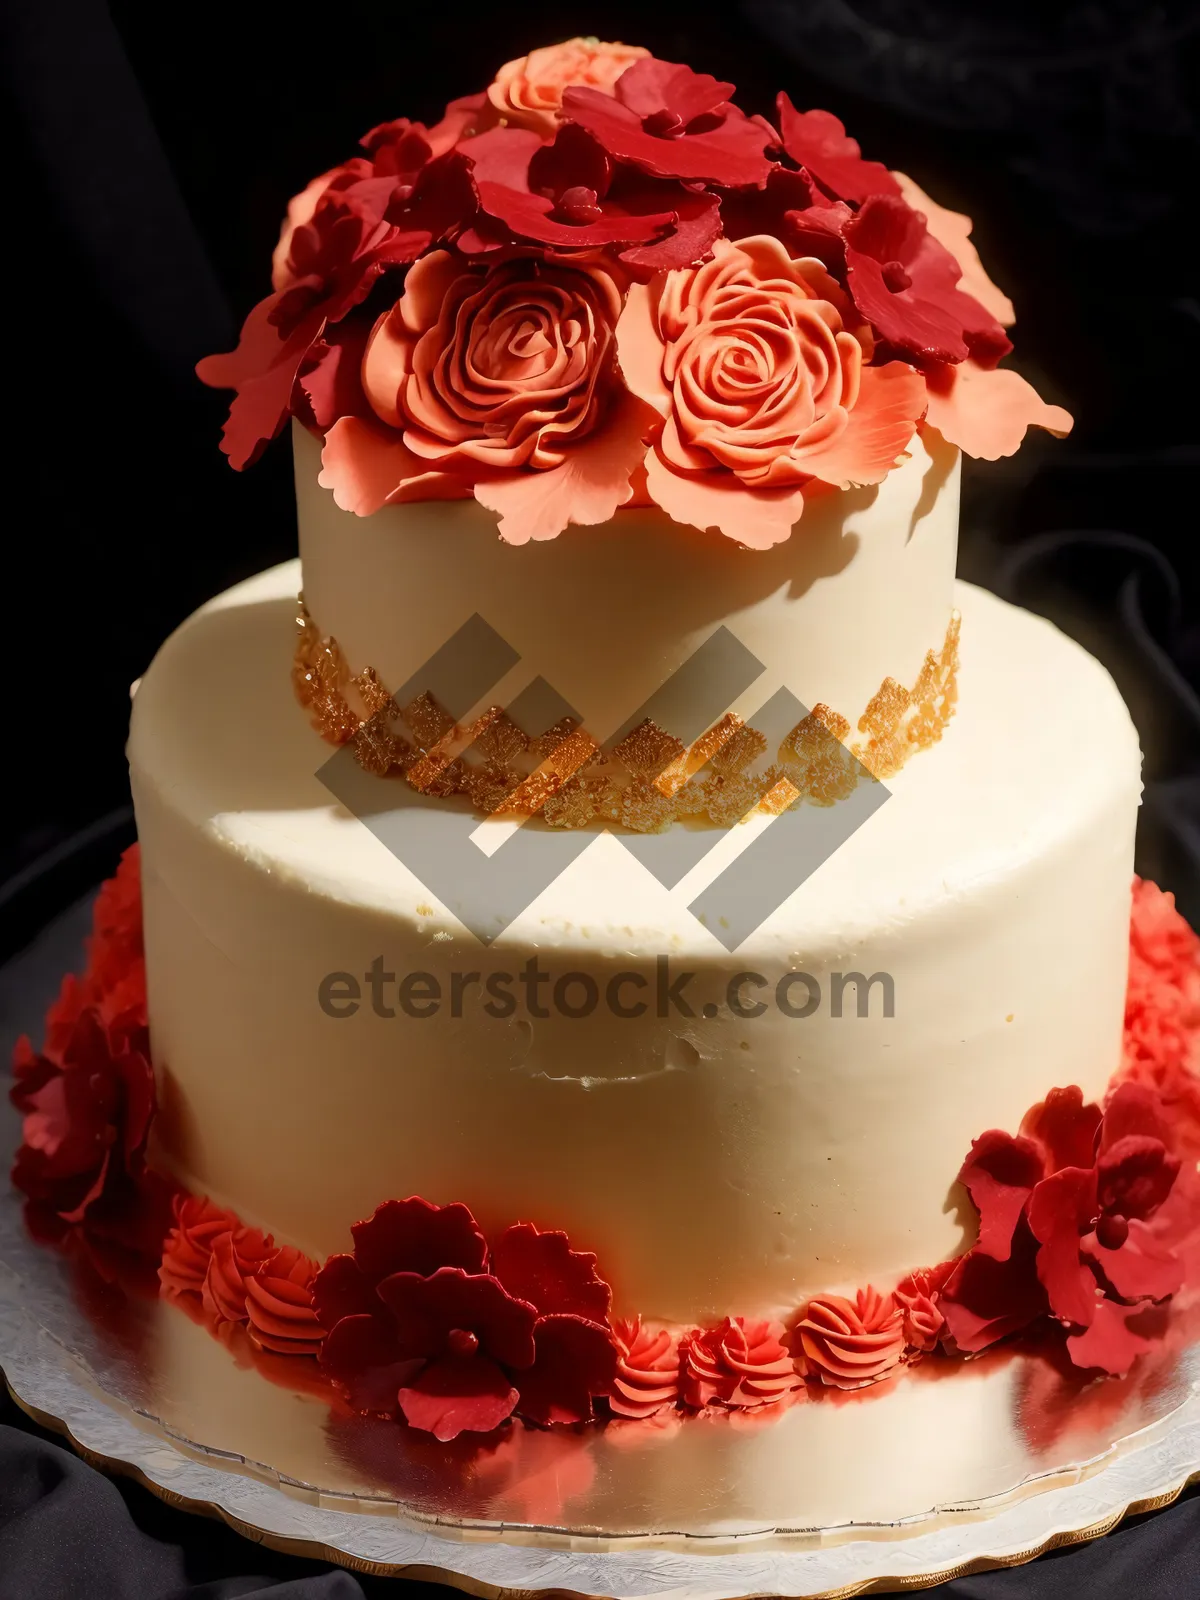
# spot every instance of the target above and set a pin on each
(730, 1161)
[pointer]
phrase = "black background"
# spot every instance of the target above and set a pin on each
(150, 149)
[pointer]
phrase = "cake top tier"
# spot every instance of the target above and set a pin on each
(600, 283)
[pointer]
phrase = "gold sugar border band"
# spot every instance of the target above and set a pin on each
(647, 781)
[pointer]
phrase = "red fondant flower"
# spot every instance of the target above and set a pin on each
(88, 1098)
(906, 285)
(818, 142)
(952, 229)
(575, 1362)
(648, 1370)
(422, 1324)
(755, 363)
(87, 1112)
(528, 92)
(279, 1305)
(985, 1300)
(543, 1269)
(740, 1364)
(188, 1248)
(356, 232)
(796, 212)
(919, 1296)
(569, 197)
(329, 383)
(464, 1333)
(850, 1343)
(461, 118)
(674, 123)
(499, 381)
(1065, 1221)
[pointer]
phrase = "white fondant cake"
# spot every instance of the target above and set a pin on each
(720, 1165)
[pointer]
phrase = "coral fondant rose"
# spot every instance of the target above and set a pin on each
(501, 380)
(756, 365)
(528, 92)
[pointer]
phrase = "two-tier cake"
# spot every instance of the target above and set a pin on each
(626, 933)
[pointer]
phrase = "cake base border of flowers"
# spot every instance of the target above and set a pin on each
(1083, 1217)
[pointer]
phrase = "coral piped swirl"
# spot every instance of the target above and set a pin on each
(850, 1343)
(741, 1365)
(648, 1370)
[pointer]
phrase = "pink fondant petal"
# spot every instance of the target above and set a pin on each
(1108, 1345)
(1132, 1108)
(1141, 1269)
(587, 488)
(640, 349)
(259, 410)
(757, 518)
(386, 363)
(426, 286)
(891, 398)
(1136, 1175)
(367, 466)
(987, 413)
(1060, 1208)
(458, 1395)
(502, 155)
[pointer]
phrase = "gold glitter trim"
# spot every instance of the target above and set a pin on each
(647, 781)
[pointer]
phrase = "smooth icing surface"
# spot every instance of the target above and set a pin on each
(717, 1165)
(606, 614)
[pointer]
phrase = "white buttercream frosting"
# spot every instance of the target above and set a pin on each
(859, 593)
(717, 1165)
